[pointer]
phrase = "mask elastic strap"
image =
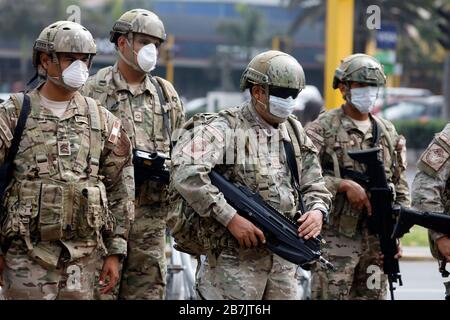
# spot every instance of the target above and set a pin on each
(129, 41)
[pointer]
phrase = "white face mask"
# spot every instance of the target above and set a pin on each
(75, 75)
(364, 98)
(147, 57)
(281, 108)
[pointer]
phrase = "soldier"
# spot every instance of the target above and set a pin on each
(430, 191)
(350, 246)
(150, 110)
(242, 269)
(71, 197)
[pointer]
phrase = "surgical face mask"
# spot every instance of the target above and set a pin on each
(364, 98)
(281, 108)
(75, 75)
(147, 57)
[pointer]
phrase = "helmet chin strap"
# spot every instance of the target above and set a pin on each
(58, 80)
(125, 59)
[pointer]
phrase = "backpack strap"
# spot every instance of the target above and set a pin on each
(164, 105)
(96, 138)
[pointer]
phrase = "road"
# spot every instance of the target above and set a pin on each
(421, 281)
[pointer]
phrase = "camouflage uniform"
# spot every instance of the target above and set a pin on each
(431, 185)
(71, 197)
(58, 235)
(141, 112)
(232, 272)
(350, 246)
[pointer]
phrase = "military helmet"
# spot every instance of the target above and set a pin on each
(360, 68)
(63, 36)
(274, 68)
(138, 21)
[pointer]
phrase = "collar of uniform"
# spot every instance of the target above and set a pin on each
(349, 125)
(77, 105)
(121, 84)
(253, 117)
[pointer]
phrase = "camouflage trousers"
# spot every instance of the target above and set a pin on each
(246, 274)
(143, 272)
(359, 274)
(26, 279)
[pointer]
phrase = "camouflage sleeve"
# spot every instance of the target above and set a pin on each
(402, 196)
(195, 154)
(88, 88)
(430, 182)
(8, 120)
(117, 169)
(312, 183)
(314, 130)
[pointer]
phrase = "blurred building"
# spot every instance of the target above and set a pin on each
(204, 58)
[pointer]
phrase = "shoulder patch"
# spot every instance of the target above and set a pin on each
(435, 157)
(114, 136)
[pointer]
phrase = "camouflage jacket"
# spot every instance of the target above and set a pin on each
(431, 186)
(250, 152)
(334, 133)
(141, 114)
(73, 180)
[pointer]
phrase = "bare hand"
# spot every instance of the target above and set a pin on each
(2, 267)
(110, 270)
(245, 232)
(356, 195)
(443, 245)
(311, 224)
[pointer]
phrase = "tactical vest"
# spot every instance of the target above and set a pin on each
(204, 235)
(42, 205)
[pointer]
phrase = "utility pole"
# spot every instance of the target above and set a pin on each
(338, 44)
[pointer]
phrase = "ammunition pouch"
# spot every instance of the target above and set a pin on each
(49, 211)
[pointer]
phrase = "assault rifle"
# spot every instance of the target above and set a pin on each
(281, 232)
(382, 219)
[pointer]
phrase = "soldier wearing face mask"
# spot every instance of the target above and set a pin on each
(150, 110)
(69, 204)
(246, 144)
(350, 246)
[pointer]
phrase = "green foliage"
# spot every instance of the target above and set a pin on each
(418, 133)
(417, 237)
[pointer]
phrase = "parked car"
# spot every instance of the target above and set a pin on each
(389, 96)
(419, 108)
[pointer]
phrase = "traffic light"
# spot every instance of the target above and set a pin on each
(444, 26)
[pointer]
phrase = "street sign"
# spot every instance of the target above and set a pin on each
(387, 37)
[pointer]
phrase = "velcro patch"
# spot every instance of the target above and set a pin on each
(444, 138)
(435, 157)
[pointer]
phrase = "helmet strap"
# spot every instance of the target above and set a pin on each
(132, 64)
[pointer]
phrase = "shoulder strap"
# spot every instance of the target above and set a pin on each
(292, 164)
(96, 140)
(163, 102)
(375, 131)
(6, 169)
